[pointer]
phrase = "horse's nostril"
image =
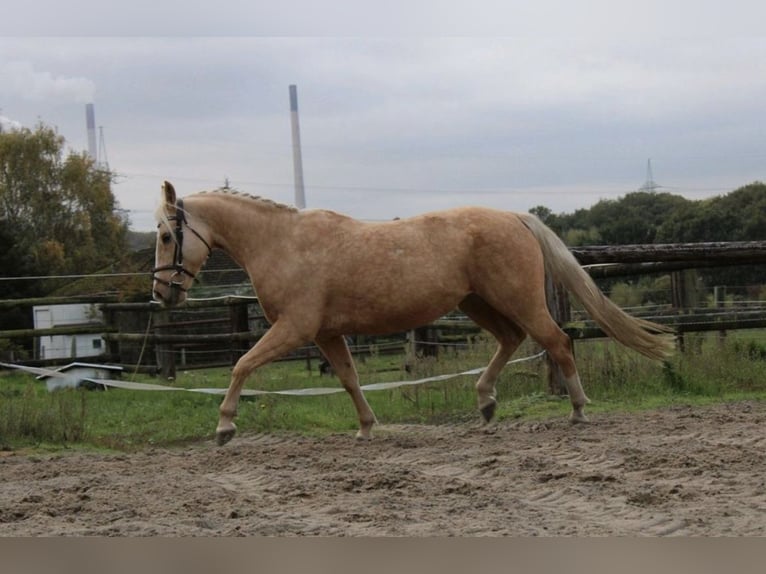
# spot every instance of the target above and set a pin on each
(158, 296)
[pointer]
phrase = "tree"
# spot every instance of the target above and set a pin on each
(547, 216)
(746, 207)
(633, 219)
(648, 217)
(13, 263)
(736, 216)
(61, 210)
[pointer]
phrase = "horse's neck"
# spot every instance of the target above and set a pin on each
(245, 228)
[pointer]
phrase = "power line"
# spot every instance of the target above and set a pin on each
(353, 188)
(376, 189)
(104, 275)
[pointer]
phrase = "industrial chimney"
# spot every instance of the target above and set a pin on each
(90, 122)
(300, 193)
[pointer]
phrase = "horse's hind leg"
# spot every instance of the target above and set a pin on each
(525, 306)
(336, 351)
(509, 336)
(537, 321)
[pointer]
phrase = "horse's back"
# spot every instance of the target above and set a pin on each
(440, 246)
(383, 276)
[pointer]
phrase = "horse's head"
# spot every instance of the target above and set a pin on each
(179, 255)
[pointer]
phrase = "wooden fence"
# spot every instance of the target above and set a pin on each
(683, 314)
(216, 332)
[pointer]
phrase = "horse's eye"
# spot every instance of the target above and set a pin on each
(166, 237)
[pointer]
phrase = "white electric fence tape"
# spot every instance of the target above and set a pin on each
(253, 392)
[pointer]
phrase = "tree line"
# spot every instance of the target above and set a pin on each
(659, 217)
(58, 214)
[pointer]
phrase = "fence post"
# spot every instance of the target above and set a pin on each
(684, 296)
(677, 284)
(239, 323)
(719, 294)
(112, 346)
(165, 351)
(426, 341)
(308, 358)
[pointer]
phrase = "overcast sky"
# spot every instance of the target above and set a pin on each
(394, 125)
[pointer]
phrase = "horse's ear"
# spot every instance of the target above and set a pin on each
(170, 193)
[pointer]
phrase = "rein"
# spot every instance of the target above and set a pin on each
(178, 252)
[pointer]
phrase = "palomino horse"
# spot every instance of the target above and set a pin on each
(320, 275)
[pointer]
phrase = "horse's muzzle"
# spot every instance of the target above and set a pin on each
(172, 295)
(174, 291)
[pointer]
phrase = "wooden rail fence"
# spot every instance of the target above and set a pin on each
(218, 331)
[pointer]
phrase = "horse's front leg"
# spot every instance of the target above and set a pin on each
(280, 339)
(337, 353)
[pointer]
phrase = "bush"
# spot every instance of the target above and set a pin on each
(31, 415)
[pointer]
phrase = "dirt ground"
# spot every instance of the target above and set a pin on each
(682, 471)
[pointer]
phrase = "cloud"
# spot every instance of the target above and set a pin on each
(9, 124)
(392, 126)
(649, 19)
(20, 79)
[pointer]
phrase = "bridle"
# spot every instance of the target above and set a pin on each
(178, 252)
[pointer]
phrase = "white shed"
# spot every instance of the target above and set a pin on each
(68, 346)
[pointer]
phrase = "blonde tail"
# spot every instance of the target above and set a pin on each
(650, 339)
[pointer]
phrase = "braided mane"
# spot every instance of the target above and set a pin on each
(247, 197)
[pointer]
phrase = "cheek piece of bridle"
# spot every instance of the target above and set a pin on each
(178, 252)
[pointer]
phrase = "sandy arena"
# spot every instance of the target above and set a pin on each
(682, 471)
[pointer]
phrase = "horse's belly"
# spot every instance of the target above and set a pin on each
(390, 313)
(405, 285)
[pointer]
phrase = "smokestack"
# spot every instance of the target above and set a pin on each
(90, 123)
(300, 195)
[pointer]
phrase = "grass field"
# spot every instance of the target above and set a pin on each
(614, 379)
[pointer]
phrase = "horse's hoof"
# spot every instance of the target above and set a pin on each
(578, 418)
(363, 437)
(225, 435)
(488, 411)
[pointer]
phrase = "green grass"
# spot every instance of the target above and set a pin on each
(615, 379)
